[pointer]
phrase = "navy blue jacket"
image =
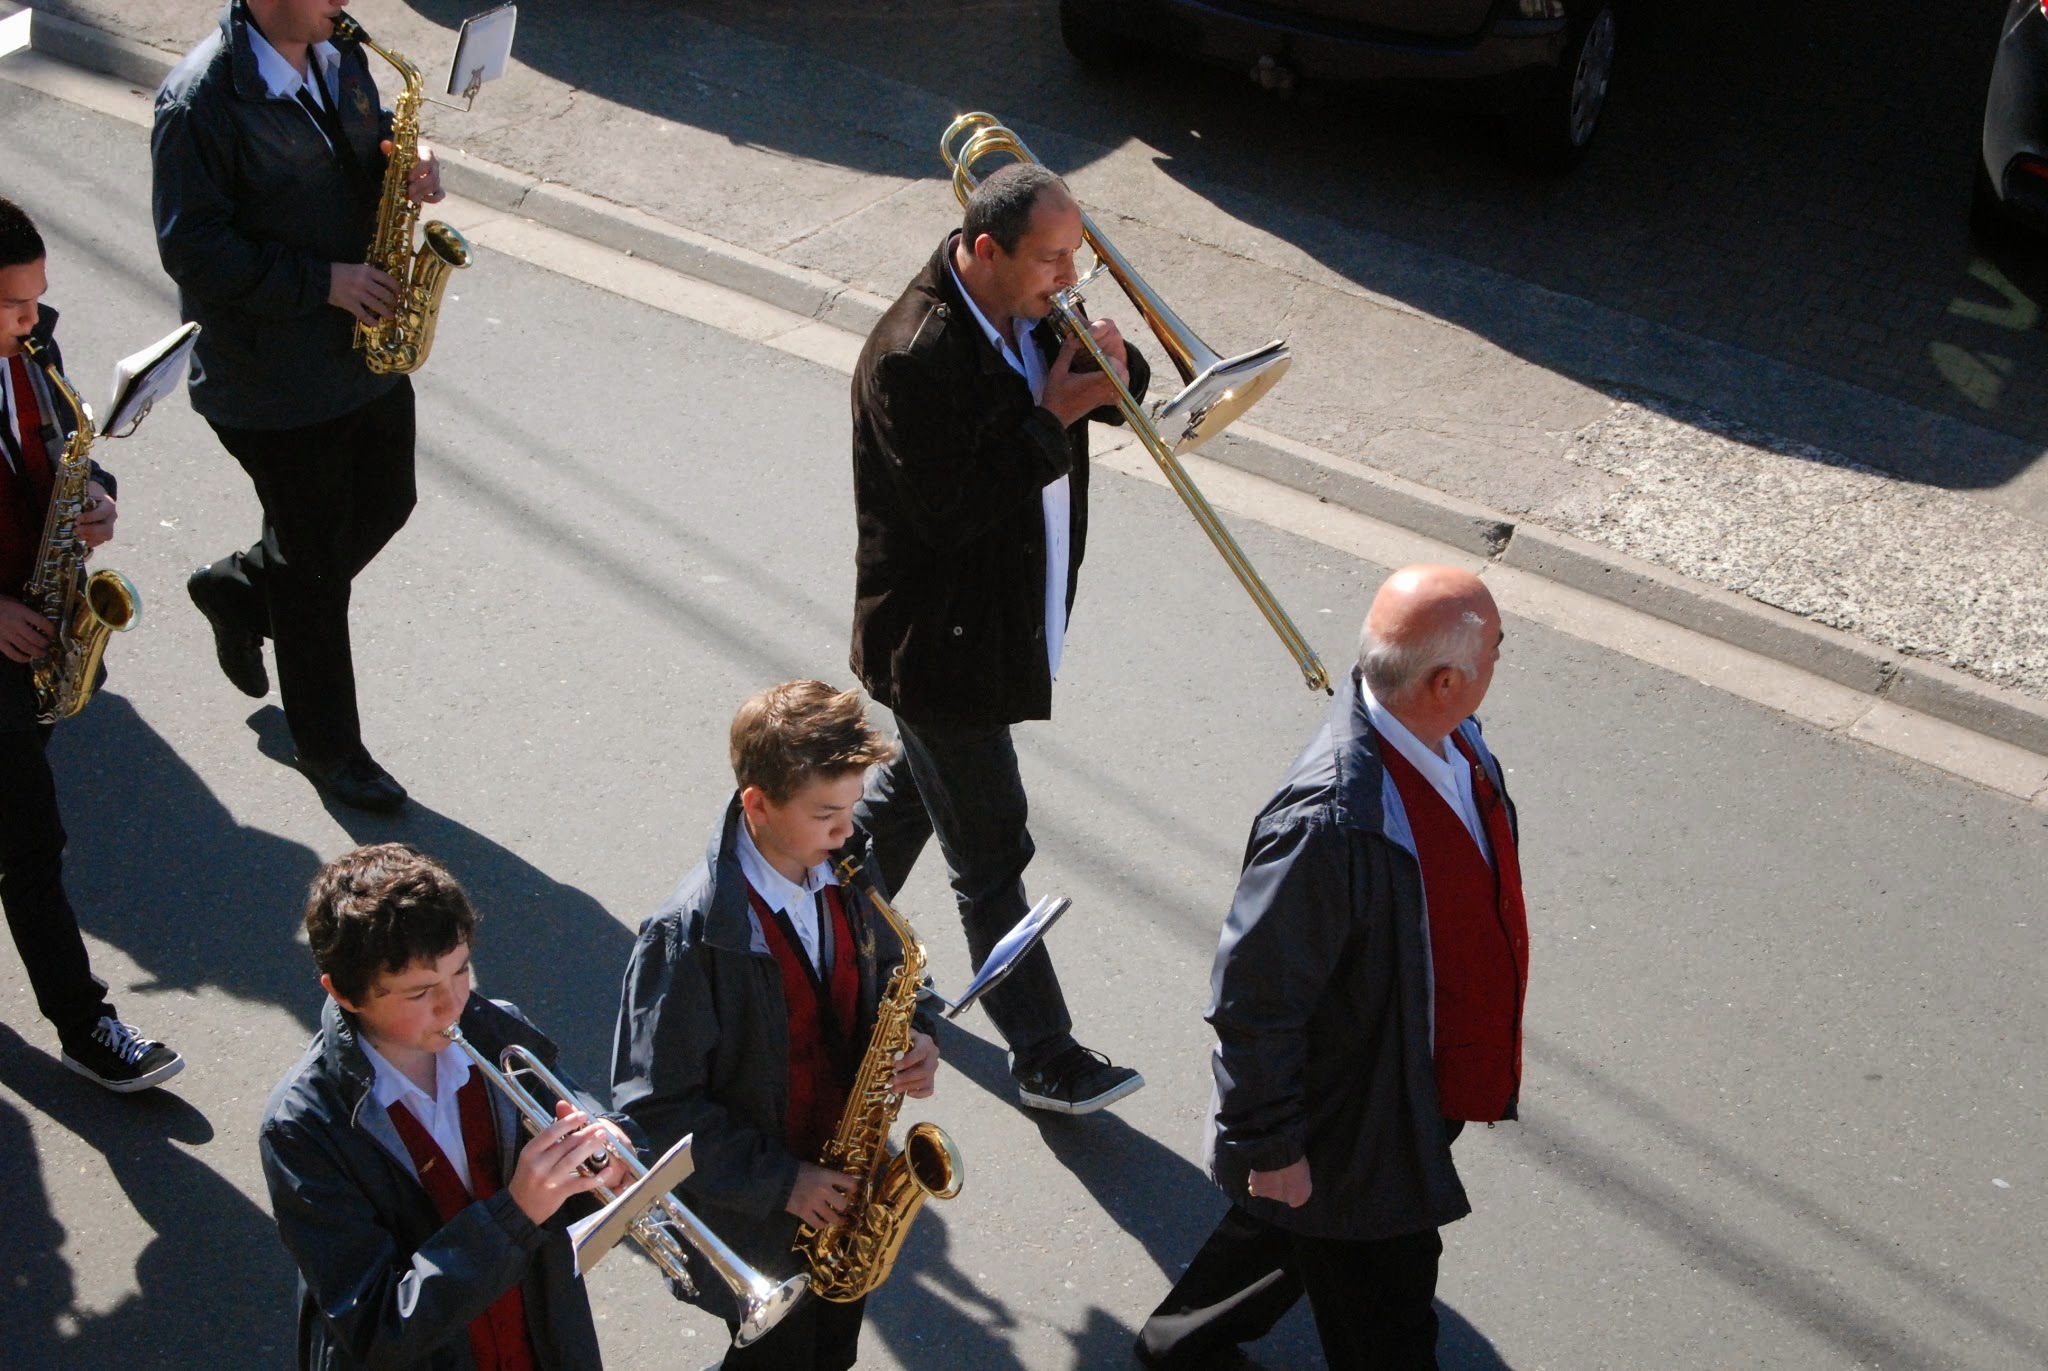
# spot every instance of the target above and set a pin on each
(702, 1048)
(1320, 1000)
(383, 1282)
(252, 209)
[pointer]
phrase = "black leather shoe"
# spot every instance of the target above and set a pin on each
(358, 783)
(239, 652)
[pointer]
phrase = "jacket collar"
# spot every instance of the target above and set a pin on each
(939, 273)
(235, 30)
(489, 1028)
(728, 923)
(1365, 795)
(46, 325)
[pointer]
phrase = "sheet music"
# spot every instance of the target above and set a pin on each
(142, 378)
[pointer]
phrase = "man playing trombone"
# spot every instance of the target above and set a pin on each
(424, 1221)
(970, 478)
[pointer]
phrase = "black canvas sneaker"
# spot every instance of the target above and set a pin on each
(1078, 1081)
(121, 1059)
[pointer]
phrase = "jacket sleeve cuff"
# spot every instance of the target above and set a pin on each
(1266, 1154)
(522, 1231)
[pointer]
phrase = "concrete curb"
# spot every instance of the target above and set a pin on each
(1926, 687)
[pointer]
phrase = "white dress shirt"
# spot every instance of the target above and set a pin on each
(1447, 771)
(1056, 501)
(285, 82)
(9, 418)
(438, 1113)
(777, 891)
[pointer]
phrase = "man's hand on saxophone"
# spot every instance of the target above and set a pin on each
(916, 1069)
(96, 521)
(24, 634)
(365, 291)
(423, 183)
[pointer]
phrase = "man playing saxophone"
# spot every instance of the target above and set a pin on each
(751, 996)
(33, 435)
(269, 153)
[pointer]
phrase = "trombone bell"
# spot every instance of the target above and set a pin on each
(1212, 401)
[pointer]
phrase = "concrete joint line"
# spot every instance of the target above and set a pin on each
(1926, 690)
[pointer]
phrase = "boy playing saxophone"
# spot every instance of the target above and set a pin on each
(750, 999)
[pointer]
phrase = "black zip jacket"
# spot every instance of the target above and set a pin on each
(383, 1282)
(252, 209)
(1320, 1000)
(702, 1048)
(950, 455)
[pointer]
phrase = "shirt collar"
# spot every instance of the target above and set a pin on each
(451, 1073)
(1002, 345)
(280, 76)
(1429, 761)
(776, 890)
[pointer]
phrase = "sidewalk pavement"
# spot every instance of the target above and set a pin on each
(1723, 490)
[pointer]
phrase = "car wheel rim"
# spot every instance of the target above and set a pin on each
(1589, 81)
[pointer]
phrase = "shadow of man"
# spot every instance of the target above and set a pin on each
(161, 869)
(213, 1278)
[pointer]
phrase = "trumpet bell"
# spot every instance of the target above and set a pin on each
(1212, 401)
(762, 1308)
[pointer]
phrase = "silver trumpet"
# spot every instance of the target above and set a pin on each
(645, 1211)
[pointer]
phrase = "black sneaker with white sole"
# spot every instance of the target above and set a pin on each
(1078, 1081)
(119, 1058)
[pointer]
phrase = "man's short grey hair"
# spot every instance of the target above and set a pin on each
(1001, 205)
(1391, 669)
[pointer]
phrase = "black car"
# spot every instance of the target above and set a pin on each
(2012, 166)
(1545, 63)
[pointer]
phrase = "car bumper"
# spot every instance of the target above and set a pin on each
(1502, 65)
(2016, 117)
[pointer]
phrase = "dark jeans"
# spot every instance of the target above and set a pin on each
(1374, 1301)
(44, 926)
(333, 495)
(962, 785)
(817, 1335)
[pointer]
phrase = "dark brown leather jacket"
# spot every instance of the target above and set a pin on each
(950, 455)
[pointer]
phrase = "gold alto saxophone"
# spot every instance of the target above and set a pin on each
(854, 1255)
(402, 342)
(82, 610)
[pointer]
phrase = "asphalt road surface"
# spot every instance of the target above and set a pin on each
(1786, 1024)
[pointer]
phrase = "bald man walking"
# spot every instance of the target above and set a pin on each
(1367, 1001)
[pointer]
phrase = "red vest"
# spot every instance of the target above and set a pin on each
(1478, 940)
(822, 1055)
(498, 1338)
(24, 503)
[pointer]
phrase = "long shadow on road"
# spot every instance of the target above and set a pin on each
(196, 897)
(1770, 177)
(212, 1278)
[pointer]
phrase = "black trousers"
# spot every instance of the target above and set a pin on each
(962, 785)
(1374, 1301)
(817, 1335)
(40, 917)
(333, 495)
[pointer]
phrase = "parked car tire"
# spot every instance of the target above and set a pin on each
(1090, 43)
(1554, 134)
